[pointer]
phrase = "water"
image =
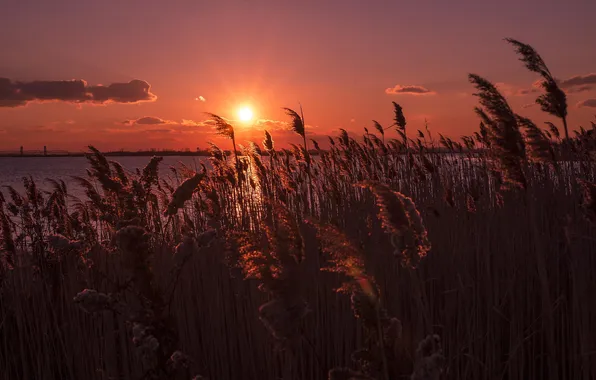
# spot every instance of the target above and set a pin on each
(13, 169)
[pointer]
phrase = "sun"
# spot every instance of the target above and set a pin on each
(245, 114)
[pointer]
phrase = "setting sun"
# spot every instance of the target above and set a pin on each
(245, 114)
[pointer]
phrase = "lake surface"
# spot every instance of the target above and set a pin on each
(13, 169)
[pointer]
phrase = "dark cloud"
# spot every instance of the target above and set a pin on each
(526, 91)
(15, 94)
(409, 89)
(587, 103)
(578, 80)
(576, 89)
(148, 120)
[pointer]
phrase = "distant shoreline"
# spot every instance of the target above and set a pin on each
(110, 154)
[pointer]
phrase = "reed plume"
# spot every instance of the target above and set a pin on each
(554, 100)
(400, 218)
(506, 141)
(184, 192)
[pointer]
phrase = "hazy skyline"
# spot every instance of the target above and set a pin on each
(344, 61)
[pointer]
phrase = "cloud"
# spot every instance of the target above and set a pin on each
(587, 103)
(408, 89)
(148, 120)
(578, 80)
(200, 98)
(577, 89)
(192, 123)
(512, 90)
(575, 84)
(159, 130)
(272, 125)
(526, 91)
(17, 94)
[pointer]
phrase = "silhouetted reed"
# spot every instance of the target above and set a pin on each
(234, 271)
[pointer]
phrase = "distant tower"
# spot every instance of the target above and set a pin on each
(21, 150)
(45, 150)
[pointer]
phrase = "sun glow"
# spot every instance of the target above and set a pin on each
(245, 114)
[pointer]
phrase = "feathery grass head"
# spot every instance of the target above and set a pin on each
(150, 172)
(530, 57)
(343, 256)
(184, 192)
(268, 142)
(222, 126)
(399, 118)
(297, 124)
(554, 100)
(491, 99)
(553, 129)
(506, 141)
(379, 127)
(539, 148)
(400, 218)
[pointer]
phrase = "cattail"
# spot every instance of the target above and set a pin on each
(184, 192)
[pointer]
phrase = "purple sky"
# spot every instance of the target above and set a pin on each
(337, 58)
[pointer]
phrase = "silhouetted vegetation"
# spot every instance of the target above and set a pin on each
(380, 259)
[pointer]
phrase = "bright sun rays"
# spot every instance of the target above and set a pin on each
(245, 114)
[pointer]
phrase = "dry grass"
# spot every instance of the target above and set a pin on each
(279, 267)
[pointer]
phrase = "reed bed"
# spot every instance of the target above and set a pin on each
(420, 258)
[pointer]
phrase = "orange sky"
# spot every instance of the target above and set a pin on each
(344, 61)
